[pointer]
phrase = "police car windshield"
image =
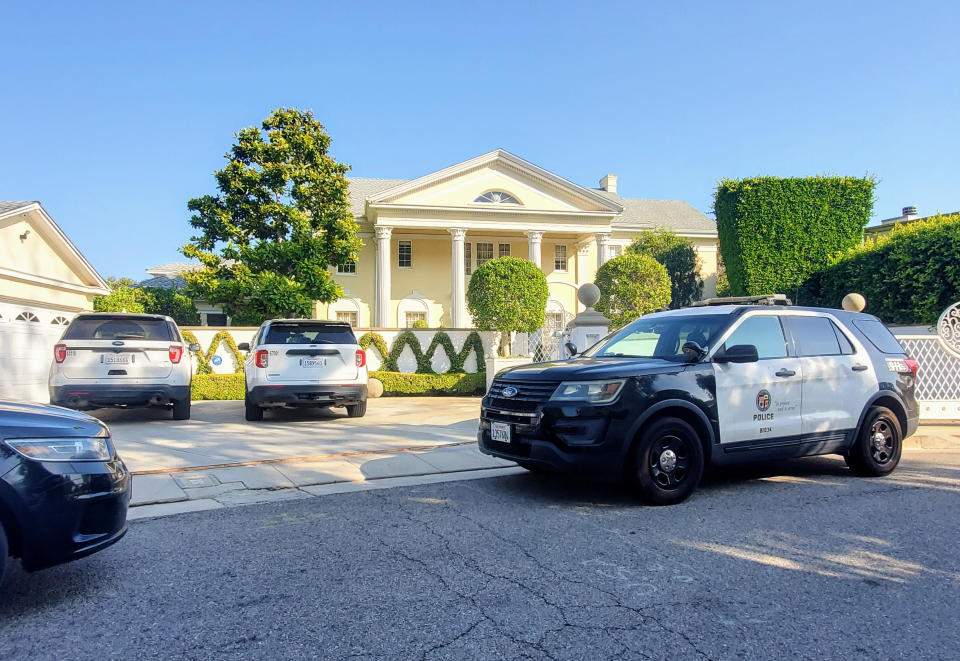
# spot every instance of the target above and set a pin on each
(660, 336)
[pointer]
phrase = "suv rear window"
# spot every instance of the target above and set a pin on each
(118, 328)
(309, 334)
(879, 336)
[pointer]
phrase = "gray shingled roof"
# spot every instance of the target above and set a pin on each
(9, 207)
(673, 214)
(164, 282)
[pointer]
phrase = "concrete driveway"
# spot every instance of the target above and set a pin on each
(148, 439)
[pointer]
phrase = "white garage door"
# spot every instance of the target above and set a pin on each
(27, 337)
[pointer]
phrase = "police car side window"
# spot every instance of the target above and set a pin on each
(845, 347)
(814, 336)
(764, 332)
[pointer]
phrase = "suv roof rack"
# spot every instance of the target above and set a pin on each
(765, 299)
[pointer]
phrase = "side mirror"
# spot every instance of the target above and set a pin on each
(571, 348)
(194, 347)
(693, 351)
(738, 353)
(243, 346)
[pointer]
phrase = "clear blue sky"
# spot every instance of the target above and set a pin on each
(115, 114)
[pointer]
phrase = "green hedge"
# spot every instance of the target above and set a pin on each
(399, 384)
(774, 232)
(217, 386)
(230, 386)
(908, 276)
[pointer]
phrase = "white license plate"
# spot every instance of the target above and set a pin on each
(117, 359)
(313, 362)
(500, 432)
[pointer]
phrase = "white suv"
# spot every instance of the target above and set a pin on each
(119, 359)
(301, 362)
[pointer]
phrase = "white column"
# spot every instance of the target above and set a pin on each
(533, 247)
(458, 293)
(382, 310)
(603, 240)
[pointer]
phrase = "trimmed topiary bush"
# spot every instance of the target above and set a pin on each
(631, 285)
(774, 232)
(508, 294)
(908, 276)
(398, 384)
(679, 257)
(217, 386)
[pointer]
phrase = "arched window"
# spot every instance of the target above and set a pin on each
(28, 316)
(497, 197)
(60, 321)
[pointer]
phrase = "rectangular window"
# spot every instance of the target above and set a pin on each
(405, 254)
(467, 258)
(559, 258)
(764, 332)
(350, 268)
(349, 317)
(484, 253)
(814, 336)
(415, 316)
(879, 336)
(615, 251)
(503, 250)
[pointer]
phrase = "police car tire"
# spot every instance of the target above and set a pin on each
(357, 410)
(252, 412)
(181, 410)
(644, 467)
(862, 458)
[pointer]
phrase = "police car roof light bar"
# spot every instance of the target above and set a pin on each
(765, 299)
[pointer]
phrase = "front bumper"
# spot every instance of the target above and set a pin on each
(80, 396)
(587, 439)
(307, 394)
(67, 510)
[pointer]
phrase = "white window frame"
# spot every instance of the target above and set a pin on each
(481, 260)
(467, 259)
(558, 259)
(354, 317)
(500, 250)
(419, 314)
(400, 244)
(340, 268)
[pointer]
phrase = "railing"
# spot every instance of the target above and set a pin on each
(938, 372)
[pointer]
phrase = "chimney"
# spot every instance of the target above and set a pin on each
(909, 212)
(609, 183)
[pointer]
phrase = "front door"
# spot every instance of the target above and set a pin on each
(758, 404)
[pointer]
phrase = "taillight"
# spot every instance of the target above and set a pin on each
(261, 358)
(912, 365)
(361, 358)
(176, 353)
(60, 353)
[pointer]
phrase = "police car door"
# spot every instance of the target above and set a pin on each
(758, 402)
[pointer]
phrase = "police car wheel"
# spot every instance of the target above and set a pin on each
(252, 412)
(666, 462)
(877, 449)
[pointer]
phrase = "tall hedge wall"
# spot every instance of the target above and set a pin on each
(908, 276)
(775, 231)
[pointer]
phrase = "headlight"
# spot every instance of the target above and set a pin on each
(595, 392)
(63, 449)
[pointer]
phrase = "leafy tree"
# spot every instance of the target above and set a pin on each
(281, 217)
(632, 285)
(172, 303)
(508, 294)
(114, 282)
(679, 257)
(121, 299)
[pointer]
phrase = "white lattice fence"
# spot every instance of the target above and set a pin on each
(938, 375)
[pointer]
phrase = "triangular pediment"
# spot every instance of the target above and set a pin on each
(529, 187)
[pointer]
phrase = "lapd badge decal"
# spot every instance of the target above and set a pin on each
(510, 391)
(763, 400)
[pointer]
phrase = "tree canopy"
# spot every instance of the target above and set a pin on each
(149, 300)
(631, 285)
(679, 257)
(280, 219)
(508, 294)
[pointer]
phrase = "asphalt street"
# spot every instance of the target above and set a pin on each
(798, 560)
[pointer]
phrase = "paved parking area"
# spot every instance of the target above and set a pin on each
(148, 439)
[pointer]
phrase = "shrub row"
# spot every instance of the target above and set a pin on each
(774, 232)
(908, 276)
(230, 386)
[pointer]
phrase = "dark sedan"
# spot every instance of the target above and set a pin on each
(63, 489)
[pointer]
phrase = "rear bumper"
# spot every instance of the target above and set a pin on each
(308, 394)
(80, 396)
(67, 511)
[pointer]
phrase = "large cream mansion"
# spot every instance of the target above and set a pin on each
(423, 238)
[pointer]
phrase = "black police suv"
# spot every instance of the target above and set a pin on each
(63, 489)
(671, 392)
